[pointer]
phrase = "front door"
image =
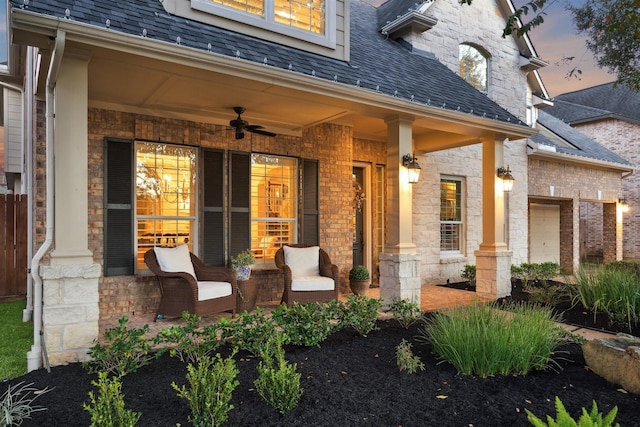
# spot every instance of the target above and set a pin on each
(358, 218)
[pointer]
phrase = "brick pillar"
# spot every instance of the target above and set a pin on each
(569, 235)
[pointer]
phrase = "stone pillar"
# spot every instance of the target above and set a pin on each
(70, 283)
(611, 233)
(399, 263)
(493, 258)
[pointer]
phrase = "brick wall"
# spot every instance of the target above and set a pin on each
(623, 138)
(332, 145)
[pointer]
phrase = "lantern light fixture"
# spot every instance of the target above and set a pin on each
(410, 161)
(507, 178)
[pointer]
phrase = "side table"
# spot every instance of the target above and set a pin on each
(247, 295)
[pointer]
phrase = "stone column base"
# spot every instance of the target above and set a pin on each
(400, 277)
(493, 273)
(70, 311)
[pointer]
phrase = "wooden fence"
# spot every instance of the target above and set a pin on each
(13, 246)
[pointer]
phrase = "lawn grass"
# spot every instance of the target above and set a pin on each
(16, 338)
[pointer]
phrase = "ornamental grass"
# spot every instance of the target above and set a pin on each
(482, 340)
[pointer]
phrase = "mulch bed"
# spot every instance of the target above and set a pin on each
(352, 381)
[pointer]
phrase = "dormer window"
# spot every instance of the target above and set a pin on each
(310, 20)
(474, 67)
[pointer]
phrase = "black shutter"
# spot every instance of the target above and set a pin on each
(118, 222)
(310, 203)
(213, 219)
(240, 214)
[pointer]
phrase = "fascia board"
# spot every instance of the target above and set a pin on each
(570, 158)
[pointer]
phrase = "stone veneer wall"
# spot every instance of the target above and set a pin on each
(481, 25)
(332, 145)
(623, 138)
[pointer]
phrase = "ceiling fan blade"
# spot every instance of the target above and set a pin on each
(261, 132)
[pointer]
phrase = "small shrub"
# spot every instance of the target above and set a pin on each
(17, 405)
(189, 342)
(587, 419)
(404, 311)
(211, 386)
(480, 340)
(406, 359)
(535, 274)
(360, 313)
(250, 331)
(124, 350)
(278, 382)
(307, 324)
(359, 272)
(107, 410)
(469, 274)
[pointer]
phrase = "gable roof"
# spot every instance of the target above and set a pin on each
(377, 63)
(557, 136)
(604, 101)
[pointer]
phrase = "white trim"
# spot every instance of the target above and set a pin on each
(267, 22)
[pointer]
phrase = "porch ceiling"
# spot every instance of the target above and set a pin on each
(285, 104)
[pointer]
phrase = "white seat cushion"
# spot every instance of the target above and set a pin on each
(175, 260)
(303, 261)
(209, 290)
(312, 283)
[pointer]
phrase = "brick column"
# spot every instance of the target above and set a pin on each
(611, 233)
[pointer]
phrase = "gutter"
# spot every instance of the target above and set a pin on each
(34, 357)
(552, 154)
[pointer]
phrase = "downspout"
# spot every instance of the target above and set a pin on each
(34, 357)
(25, 173)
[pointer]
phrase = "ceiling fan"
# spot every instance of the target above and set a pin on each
(242, 125)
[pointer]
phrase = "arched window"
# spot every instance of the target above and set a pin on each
(474, 67)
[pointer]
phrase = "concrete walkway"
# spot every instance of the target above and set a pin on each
(433, 298)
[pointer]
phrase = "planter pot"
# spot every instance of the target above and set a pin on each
(243, 273)
(247, 295)
(359, 287)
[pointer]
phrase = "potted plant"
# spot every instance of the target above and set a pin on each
(241, 264)
(359, 279)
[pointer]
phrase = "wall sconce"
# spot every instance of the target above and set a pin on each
(624, 207)
(507, 178)
(411, 163)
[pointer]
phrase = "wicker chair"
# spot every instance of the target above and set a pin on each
(180, 290)
(301, 289)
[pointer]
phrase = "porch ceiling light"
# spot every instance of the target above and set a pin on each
(410, 161)
(507, 178)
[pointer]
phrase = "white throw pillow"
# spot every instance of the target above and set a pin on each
(175, 260)
(303, 261)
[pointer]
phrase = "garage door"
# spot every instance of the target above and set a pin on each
(544, 233)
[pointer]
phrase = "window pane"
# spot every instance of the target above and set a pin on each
(254, 7)
(473, 67)
(165, 196)
(273, 205)
(450, 215)
(306, 15)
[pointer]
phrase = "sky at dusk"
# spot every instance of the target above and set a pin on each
(557, 38)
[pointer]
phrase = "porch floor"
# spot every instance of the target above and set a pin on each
(433, 298)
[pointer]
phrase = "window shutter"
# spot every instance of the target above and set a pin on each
(240, 214)
(213, 218)
(310, 203)
(118, 232)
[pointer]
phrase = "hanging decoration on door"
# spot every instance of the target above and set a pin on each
(358, 196)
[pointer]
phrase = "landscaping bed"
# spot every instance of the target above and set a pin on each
(351, 380)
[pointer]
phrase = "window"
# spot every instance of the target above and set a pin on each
(474, 67)
(217, 202)
(273, 205)
(4, 39)
(310, 20)
(451, 215)
(165, 202)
